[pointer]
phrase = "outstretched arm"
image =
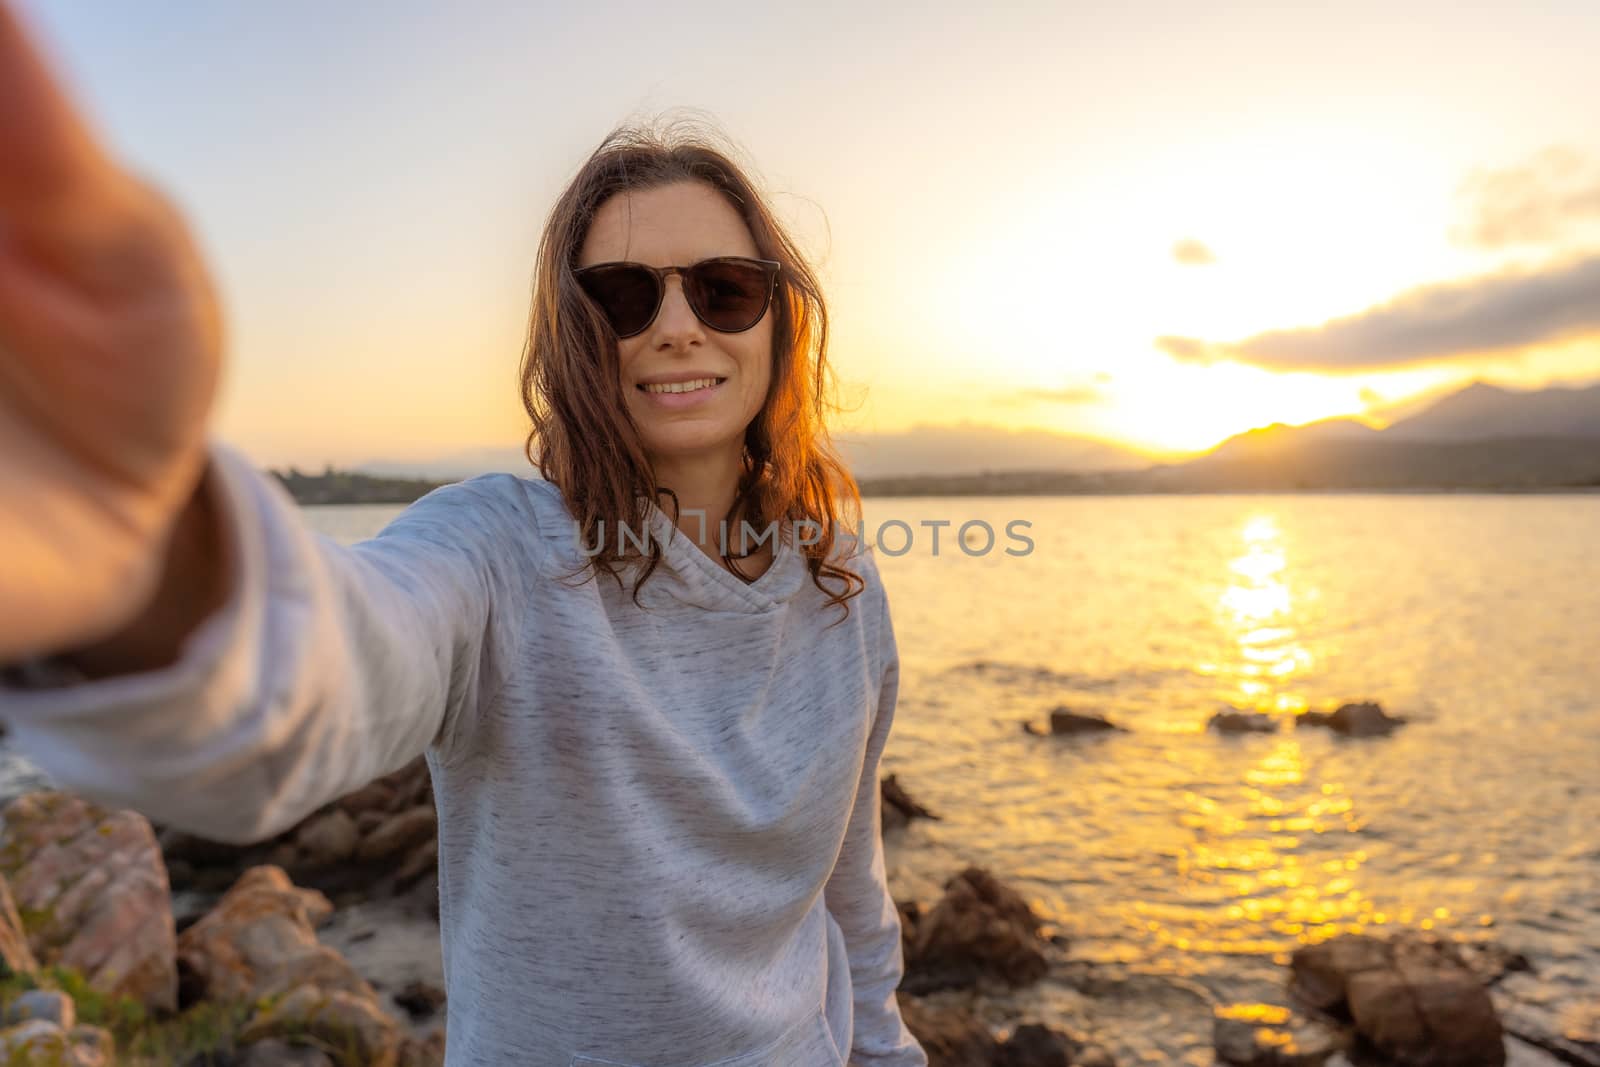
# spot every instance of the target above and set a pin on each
(233, 670)
(326, 667)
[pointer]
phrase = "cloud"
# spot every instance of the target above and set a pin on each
(1192, 253)
(1428, 324)
(1538, 202)
(1190, 349)
(1080, 393)
(1073, 394)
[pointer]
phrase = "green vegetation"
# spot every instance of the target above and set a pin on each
(203, 1033)
(1543, 466)
(347, 487)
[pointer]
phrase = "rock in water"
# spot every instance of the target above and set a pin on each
(1320, 973)
(979, 929)
(1354, 720)
(1413, 999)
(1243, 722)
(898, 807)
(1063, 720)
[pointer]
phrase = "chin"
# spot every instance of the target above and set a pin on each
(668, 443)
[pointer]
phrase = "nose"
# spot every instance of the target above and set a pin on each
(676, 323)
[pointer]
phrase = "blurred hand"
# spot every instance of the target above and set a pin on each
(110, 341)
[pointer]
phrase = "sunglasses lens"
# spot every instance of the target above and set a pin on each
(627, 295)
(729, 294)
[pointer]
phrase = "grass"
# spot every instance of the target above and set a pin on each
(203, 1033)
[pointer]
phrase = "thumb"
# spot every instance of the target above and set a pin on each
(45, 145)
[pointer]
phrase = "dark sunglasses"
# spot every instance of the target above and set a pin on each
(728, 293)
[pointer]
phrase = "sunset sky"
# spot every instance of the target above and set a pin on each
(1157, 224)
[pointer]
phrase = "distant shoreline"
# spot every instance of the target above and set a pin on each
(344, 488)
(334, 487)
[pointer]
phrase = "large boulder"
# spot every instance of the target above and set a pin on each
(92, 891)
(979, 929)
(1413, 999)
(259, 944)
(260, 940)
(1428, 1016)
(1319, 974)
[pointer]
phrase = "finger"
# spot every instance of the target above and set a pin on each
(45, 146)
(41, 325)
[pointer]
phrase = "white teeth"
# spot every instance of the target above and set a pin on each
(681, 387)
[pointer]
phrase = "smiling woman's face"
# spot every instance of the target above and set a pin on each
(677, 225)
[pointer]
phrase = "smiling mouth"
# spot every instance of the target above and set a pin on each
(669, 388)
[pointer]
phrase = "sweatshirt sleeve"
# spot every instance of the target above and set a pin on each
(327, 667)
(857, 895)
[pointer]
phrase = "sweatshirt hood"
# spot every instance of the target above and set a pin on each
(688, 576)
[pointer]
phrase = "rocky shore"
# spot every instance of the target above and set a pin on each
(125, 943)
(106, 957)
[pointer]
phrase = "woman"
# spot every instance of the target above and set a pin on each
(657, 788)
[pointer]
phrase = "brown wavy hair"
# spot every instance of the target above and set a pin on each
(583, 438)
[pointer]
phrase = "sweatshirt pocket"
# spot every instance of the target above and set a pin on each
(809, 1043)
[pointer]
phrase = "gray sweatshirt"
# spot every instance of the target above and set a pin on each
(659, 825)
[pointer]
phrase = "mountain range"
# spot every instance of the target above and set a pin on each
(962, 449)
(1481, 437)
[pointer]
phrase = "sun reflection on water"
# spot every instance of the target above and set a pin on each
(1257, 610)
(1264, 865)
(1168, 852)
